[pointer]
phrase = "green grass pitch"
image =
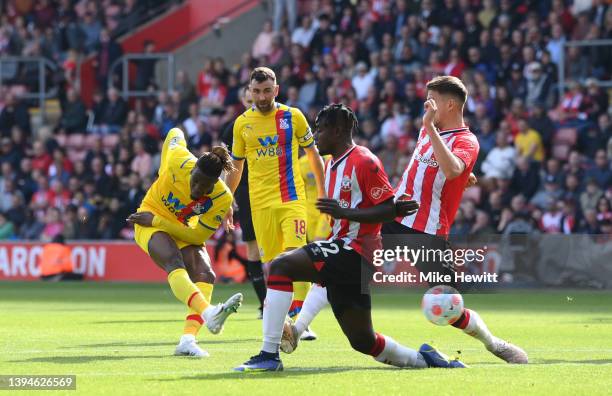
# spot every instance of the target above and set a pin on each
(119, 339)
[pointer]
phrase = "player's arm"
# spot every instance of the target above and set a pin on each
(193, 236)
(232, 179)
(316, 164)
(451, 165)
(305, 139)
(381, 213)
(174, 144)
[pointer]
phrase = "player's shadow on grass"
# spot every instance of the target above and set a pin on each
(558, 361)
(154, 344)
(292, 372)
(234, 319)
(84, 359)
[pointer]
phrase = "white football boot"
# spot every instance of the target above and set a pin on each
(188, 346)
(308, 335)
(215, 316)
(508, 352)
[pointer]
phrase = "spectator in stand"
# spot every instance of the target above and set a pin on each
(590, 197)
(114, 114)
(74, 114)
(7, 229)
(14, 112)
(526, 179)
(499, 163)
(108, 51)
(141, 164)
(601, 172)
(263, 43)
(280, 8)
(528, 142)
(145, 68)
(551, 193)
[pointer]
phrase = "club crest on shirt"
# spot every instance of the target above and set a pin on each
(377, 192)
(345, 184)
(283, 123)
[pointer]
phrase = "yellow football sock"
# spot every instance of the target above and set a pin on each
(193, 321)
(300, 290)
(185, 291)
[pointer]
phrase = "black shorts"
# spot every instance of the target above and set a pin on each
(344, 273)
(392, 237)
(244, 213)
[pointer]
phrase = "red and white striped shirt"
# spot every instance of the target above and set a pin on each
(357, 179)
(424, 181)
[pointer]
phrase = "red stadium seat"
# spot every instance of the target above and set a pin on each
(90, 140)
(110, 141)
(76, 141)
(561, 151)
(566, 136)
(75, 155)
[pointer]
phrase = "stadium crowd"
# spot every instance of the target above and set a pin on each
(544, 162)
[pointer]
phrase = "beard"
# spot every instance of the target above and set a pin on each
(264, 107)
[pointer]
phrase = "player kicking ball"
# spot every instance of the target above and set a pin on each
(359, 198)
(181, 210)
(436, 176)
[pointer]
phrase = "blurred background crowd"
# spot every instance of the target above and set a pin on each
(544, 163)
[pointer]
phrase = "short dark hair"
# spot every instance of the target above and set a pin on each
(261, 74)
(214, 162)
(449, 85)
(339, 115)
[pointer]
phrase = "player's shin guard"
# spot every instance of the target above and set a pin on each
(300, 290)
(278, 301)
(315, 301)
(256, 275)
(386, 350)
(471, 324)
(185, 291)
(193, 321)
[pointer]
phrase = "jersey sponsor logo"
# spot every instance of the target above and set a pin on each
(343, 204)
(268, 141)
(345, 184)
(172, 203)
(427, 161)
(269, 150)
(377, 192)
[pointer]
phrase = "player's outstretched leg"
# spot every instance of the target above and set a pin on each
(356, 323)
(165, 253)
(315, 301)
(471, 324)
(284, 270)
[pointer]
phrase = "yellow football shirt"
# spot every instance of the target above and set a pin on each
(270, 145)
(169, 196)
(523, 143)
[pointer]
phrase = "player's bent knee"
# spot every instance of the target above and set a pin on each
(173, 263)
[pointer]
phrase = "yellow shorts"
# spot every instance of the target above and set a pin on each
(279, 228)
(143, 235)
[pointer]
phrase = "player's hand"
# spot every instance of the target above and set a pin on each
(144, 219)
(330, 207)
(228, 221)
(471, 181)
(405, 206)
(430, 112)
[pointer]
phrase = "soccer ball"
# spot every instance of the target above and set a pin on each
(442, 305)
